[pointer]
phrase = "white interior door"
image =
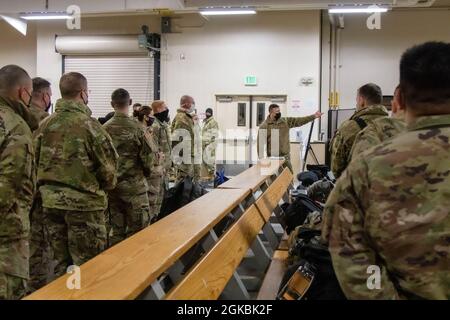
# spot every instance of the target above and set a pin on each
(233, 116)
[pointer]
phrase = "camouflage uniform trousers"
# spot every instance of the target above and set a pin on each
(128, 214)
(208, 164)
(74, 236)
(188, 170)
(12, 287)
(157, 186)
(14, 257)
(39, 249)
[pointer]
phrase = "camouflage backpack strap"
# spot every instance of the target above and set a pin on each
(361, 123)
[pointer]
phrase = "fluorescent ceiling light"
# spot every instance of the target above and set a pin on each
(357, 10)
(18, 24)
(226, 12)
(52, 16)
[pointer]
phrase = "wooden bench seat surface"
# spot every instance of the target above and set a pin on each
(210, 275)
(253, 177)
(128, 268)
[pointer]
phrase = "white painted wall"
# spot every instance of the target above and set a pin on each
(278, 48)
(18, 49)
(374, 55)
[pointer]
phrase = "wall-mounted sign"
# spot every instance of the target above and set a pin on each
(251, 81)
(295, 104)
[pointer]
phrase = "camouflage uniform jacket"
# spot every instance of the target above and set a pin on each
(210, 131)
(283, 125)
(183, 121)
(162, 138)
(38, 112)
(133, 145)
(76, 159)
(391, 209)
(17, 184)
(342, 143)
(376, 132)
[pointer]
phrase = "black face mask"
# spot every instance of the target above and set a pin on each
(277, 116)
(49, 106)
(162, 116)
(150, 121)
(208, 115)
(135, 113)
(29, 100)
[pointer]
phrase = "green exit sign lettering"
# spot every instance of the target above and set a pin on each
(251, 81)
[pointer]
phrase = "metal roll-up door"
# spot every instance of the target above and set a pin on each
(107, 73)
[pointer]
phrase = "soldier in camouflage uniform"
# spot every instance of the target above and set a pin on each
(275, 122)
(368, 108)
(380, 130)
(158, 182)
(129, 209)
(210, 132)
(17, 180)
(185, 130)
(42, 98)
(77, 164)
(389, 212)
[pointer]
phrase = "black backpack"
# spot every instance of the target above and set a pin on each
(296, 212)
(308, 248)
(180, 195)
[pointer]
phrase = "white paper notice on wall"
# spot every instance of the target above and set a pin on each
(295, 105)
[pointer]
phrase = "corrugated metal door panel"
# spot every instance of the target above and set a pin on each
(107, 73)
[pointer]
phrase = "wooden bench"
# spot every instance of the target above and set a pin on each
(274, 274)
(257, 178)
(254, 177)
(134, 267)
(208, 278)
(127, 269)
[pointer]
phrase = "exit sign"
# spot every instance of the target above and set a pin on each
(251, 81)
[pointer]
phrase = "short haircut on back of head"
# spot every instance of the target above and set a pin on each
(71, 84)
(273, 106)
(39, 84)
(120, 97)
(12, 76)
(372, 93)
(425, 78)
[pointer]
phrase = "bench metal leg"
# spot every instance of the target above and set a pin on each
(270, 235)
(154, 292)
(209, 240)
(176, 272)
(261, 255)
(235, 289)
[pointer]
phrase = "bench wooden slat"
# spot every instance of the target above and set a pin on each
(274, 275)
(210, 275)
(270, 198)
(127, 269)
(253, 177)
